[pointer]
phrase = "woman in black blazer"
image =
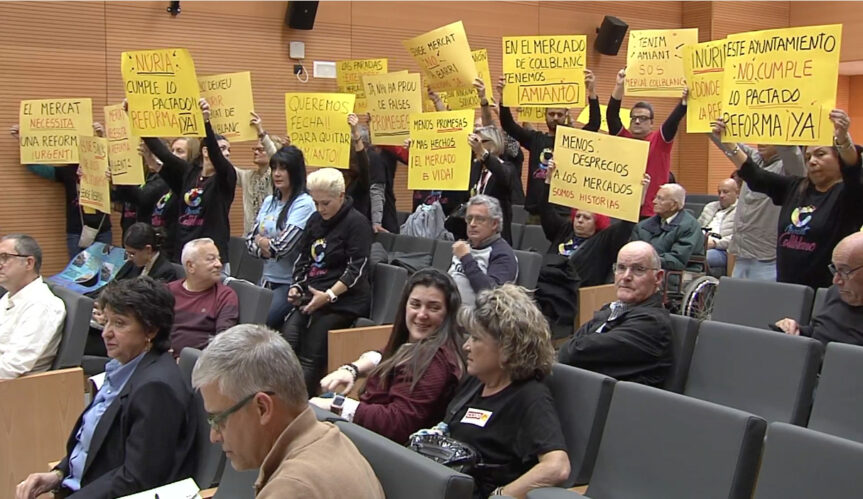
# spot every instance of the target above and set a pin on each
(143, 246)
(138, 433)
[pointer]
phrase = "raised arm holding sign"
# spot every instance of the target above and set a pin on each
(444, 57)
(439, 150)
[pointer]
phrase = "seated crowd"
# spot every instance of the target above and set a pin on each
(468, 350)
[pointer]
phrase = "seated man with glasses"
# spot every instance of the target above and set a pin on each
(673, 232)
(841, 317)
(485, 260)
(255, 396)
(31, 317)
(630, 338)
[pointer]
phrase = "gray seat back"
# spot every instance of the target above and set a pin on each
(838, 406)
(684, 332)
(529, 264)
(236, 484)
(818, 301)
(412, 244)
(442, 255)
(766, 373)
(389, 281)
(209, 458)
(404, 473)
(805, 463)
(254, 301)
(517, 230)
(236, 253)
(181, 271)
(533, 239)
(662, 445)
(519, 215)
(581, 398)
(760, 303)
(76, 326)
(386, 239)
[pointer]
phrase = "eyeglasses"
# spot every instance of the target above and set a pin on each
(216, 421)
(637, 270)
(258, 149)
(639, 119)
(4, 257)
(479, 219)
(844, 274)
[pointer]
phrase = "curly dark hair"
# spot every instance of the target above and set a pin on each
(148, 301)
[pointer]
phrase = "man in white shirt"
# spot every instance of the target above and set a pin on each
(31, 317)
(719, 217)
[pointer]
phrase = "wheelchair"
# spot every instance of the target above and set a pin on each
(691, 292)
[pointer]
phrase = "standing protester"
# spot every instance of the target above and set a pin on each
(256, 182)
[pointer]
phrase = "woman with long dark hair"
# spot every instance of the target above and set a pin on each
(410, 384)
(279, 228)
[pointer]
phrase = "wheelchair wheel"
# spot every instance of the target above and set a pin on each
(698, 297)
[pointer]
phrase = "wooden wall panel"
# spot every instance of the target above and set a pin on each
(849, 14)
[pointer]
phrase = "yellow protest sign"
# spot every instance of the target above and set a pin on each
(231, 104)
(531, 114)
(443, 55)
(704, 67)
(50, 129)
(162, 90)
(123, 159)
(654, 61)
(439, 152)
(468, 98)
(318, 125)
(93, 160)
(392, 98)
(349, 78)
(598, 173)
(544, 70)
(780, 85)
(584, 116)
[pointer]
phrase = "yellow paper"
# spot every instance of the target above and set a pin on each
(93, 159)
(318, 125)
(544, 70)
(704, 67)
(443, 55)
(468, 98)
(162, 90)
(392, 98)
(654, 61)
(123, 158)
(439, 152)
(780, 85)
(50, 129)
(598, 173)
(231, 104)
(531, 114)
(584, 116)
(349, 78)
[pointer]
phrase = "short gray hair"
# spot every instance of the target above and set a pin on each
(26, 245)
(249, 358)
(677, 193)
(494, 209)
(190, 248)
(326, 179)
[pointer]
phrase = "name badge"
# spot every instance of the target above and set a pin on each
(476, 417)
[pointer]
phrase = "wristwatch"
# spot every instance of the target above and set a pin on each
(332, 295)
(338, 403)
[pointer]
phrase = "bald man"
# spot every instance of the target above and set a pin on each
(718, 216)
(841, 317)
(673, 231)
(630, 338)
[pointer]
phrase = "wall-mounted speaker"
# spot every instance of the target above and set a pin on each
(301, 15)
(610, 35)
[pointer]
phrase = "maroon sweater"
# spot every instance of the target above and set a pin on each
(395, 411)
(200, 316)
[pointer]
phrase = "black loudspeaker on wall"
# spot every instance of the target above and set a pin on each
(301, 15)
(610, 35)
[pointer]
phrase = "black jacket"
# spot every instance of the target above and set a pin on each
(145, 438)
(162, 270)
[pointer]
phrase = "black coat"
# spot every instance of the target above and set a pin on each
(162, 270)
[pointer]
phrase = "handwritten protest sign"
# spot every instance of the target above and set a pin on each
(654, 61)
(93, 159)
(704, 67)
(584, 116)
(162, 90)
(780, 85)
(349, 78)
(544, 70)
(439, 152)
(531, 114)
(392, 98)
(231, 104)
(123, 159)
(50, 129)
(443, 55)
(318, 124)
(598, 173)
(468, 98)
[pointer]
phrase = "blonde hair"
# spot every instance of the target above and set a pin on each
(492, 133)
(326, 179)
(509, 315)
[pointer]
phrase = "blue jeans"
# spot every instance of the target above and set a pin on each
(279, 308)
(717, 258)
(757, 270)
(72, 242)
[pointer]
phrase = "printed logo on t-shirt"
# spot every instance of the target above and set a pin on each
(542, 167)
(476, 417)
(802, 215)
(191, 216)
(319, 252)
(794, 236)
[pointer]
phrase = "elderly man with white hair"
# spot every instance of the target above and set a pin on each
(204, 307)
(673, 232)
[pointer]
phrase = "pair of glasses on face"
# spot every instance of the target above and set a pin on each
(5, 257)
(258, 149)
(637, 270)
(844, 274)
(478, 219)
(639, 119)
(217, 420)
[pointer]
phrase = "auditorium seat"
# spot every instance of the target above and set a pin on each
(209, 458)
(519, 215)
(533, 239)
(386, 239)
(412, 244)
(236, 252)
(684, 332)
(838, 406)
(181, 271)
(387, 285)
(529, 264)
(346, 345)
(517, 230)
(76, 326)
(235, 484)
(763, 372)
(254, 301)
(442, 255)
(818, 301)
(761, 303)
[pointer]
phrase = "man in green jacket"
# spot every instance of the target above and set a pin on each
(672, 231)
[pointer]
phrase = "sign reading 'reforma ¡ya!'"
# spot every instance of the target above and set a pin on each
(654, 61)
(704, 67)
(231, 104)
(123, 159)
(392, 98)
(598, 173)
(544, 70)
(439, 152)
(95, 192)
(318, 125)
(50, 129)
(162, 90)
(780, 85)
(443, 55)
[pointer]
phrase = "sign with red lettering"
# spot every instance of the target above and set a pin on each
(391, 99)
(439, 153)
(544, 71)
(50, 129)
(704, 67)
(124, 161)
(654, 61)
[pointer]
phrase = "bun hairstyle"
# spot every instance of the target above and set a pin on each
(140, 235)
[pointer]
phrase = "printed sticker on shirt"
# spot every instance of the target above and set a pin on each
(476, 417)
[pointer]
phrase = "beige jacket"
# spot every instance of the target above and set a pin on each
(726, 230)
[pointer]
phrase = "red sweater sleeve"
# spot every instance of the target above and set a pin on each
(407, 411)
